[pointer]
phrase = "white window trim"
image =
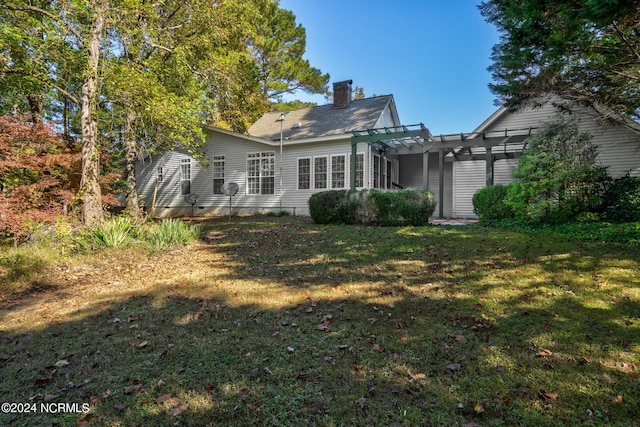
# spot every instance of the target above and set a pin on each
(218, 159)
(364, 168)
(344, 172)
(310, 173)
(327, 173)
(260, 155)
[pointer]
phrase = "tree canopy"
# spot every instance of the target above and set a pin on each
(136, 77)
(586, 51)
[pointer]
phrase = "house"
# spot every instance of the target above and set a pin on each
(278, 164)
(284, 158)
(618, 148)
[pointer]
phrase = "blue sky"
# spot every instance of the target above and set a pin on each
(432, 55)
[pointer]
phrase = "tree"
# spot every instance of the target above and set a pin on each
(39, 174)
(586, 51)
(278, 47)
(557, 173)
(73, 31)
(144, 76)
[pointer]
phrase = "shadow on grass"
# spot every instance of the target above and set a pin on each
(306, 324)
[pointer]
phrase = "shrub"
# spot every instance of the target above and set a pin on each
(171, 232)
(558, 175)
(407, 207)
(622, 200)
(332, 207)
(489, 203)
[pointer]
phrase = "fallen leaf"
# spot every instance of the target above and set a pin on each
(143, 344)
(461, 339)
(547, 396)
(377, 348)
(478, 408)
(619, 398)
(417, 377)
(291, 349)
(585, 359)
(40, 382)
(545, 353)
(84, 421)
(164, 398)
(60, 363)
(49, 397)
(177, 410)
(120, 406)
(134, 388)
(106, 394)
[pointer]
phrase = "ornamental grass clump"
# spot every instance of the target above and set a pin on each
(171, 232)
(116, 232)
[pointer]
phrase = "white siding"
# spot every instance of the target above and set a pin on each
(169, 202)
(468, 177)
(618, 148)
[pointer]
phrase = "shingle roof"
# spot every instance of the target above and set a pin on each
(323, 120)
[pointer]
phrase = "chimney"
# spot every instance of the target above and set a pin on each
(342, 94)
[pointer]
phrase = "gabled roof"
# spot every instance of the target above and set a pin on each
(323, 120)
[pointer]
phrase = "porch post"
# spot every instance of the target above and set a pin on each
(441, 186)
(354, 150)
(489, 169)
(381, 168)
(425, 169)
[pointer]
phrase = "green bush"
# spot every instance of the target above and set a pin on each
(489, 203)
(407, 207)
(558, 175)
(171, 232)
(622, 200)
(332, 207)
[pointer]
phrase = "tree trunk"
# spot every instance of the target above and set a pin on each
(130, 151)
(89, 184)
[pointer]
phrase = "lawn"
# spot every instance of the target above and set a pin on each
(278, 321)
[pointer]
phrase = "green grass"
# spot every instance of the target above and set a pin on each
(278, 321)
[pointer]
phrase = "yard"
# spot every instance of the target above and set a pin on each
(278, 321)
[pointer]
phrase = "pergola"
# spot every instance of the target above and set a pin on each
(416, 139)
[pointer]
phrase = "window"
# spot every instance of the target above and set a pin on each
(160, 174)
(218, 174)
(338, 171)
(360, 170)
(320, 172)
(261, 173)
(376, 171)
(185, 177)
(304, 174)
